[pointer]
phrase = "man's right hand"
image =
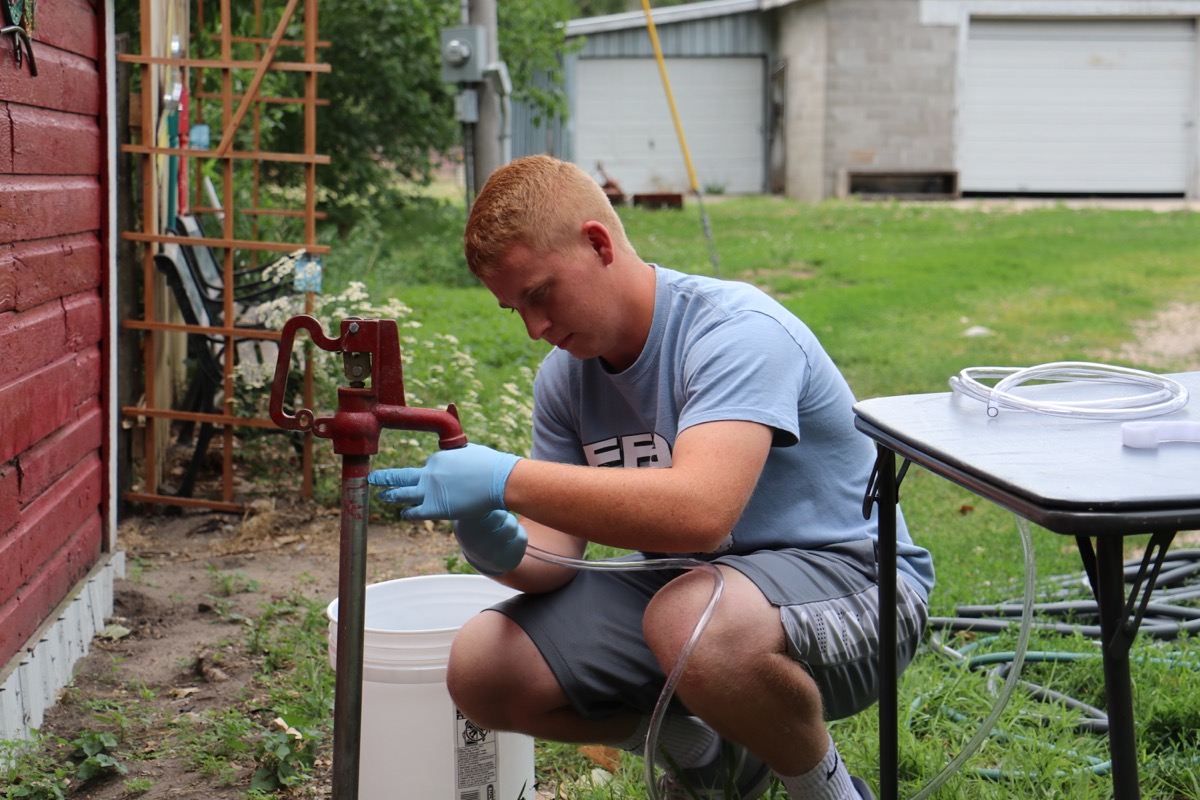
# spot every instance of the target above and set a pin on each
(494, 543)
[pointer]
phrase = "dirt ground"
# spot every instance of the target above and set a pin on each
(165, 602)
(167, 636)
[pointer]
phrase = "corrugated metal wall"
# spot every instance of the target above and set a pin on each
(531, 135)
(733, 35)
(742, 34)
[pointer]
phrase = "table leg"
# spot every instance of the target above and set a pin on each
(1120, 618)
(889, 718)
(1118, 689)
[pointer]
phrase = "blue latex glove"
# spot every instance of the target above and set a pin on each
(464, 483)
(493, 544)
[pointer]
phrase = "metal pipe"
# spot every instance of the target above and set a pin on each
(352, 612)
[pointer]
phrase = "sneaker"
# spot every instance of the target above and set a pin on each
(736, 774)
(861, 787)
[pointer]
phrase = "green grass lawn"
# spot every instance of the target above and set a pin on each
(890, 289)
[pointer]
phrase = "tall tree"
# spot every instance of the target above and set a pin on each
(389, 114)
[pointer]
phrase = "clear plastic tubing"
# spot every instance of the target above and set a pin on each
(1010, 683)
(668, 690)
(1161, 396)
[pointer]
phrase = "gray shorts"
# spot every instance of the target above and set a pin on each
(590, 631)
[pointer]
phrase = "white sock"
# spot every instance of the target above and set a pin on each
(828, 780)
(684, 741)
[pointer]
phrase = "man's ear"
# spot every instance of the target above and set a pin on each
(600, 240)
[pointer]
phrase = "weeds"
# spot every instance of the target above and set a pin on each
(32, 771)
(285, 757)
(269, 741)
(93, 749)
(49, 767)
(227, 584)
(138, 786)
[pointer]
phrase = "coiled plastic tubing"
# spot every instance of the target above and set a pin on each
(1159, 395)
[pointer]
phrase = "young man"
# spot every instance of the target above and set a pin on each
(736, 433)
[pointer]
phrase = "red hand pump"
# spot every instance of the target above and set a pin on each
(370, 351)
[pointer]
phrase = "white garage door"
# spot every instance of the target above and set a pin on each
(1096, 106)
(622, 119)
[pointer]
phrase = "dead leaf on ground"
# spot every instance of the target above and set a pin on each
(114, 631)
(608, 758)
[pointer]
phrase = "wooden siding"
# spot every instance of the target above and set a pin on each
(52, 318)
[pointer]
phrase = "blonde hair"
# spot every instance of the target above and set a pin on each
(537, 201)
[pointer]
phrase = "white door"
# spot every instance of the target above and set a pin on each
(622, 120)
(1090, 106)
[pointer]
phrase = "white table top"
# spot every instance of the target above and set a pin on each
(1048, 468)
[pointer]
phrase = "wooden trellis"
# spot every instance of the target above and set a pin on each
(170, 76)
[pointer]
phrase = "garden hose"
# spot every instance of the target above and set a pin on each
(1166, 619)
(1166, 615)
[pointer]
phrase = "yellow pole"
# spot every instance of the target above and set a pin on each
(687, 157)
(662, 70)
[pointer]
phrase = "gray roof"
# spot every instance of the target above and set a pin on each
(666, 16)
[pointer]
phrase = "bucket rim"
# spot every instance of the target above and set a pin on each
(445, 577)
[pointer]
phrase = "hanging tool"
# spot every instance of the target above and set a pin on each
(370, 351)
(20, 36)
(18, 21)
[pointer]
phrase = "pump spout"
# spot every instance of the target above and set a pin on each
(430, 420)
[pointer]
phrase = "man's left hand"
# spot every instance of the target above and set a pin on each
(467, 482)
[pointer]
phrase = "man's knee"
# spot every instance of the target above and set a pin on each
(496, 676)
(476, 673)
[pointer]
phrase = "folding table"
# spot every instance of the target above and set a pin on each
(1071, 476)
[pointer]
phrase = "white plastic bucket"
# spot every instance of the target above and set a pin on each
(415, 745)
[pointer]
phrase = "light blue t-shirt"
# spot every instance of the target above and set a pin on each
(721, 350)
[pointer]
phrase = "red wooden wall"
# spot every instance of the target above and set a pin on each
(53, 211)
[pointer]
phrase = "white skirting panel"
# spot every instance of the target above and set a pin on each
(30, 683)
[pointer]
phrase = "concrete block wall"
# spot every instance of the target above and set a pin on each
(890, 95)
(869, 88)
(31, 682)
(803, 42)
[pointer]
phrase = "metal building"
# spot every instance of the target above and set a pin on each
(717, 57)
(819, 98)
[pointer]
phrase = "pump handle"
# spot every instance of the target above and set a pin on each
(302, 420)
(371, 350)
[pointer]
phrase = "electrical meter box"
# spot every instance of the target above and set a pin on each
(464, 54)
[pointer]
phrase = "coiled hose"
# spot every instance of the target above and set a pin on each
(1161, 395)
